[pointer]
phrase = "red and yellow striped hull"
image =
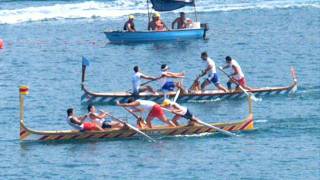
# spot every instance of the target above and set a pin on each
(29, 134)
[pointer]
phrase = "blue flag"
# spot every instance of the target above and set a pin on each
(85, 61)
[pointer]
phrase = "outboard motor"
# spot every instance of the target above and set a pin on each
(205, 26)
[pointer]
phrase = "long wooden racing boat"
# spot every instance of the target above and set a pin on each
(36, 135)
(191, 96)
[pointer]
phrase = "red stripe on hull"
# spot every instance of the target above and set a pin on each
(88, 137)
(208, 130)
(74, 137)
(104, 136)
(173, 132)
(59, 137)
(118, 135)
(245, 125)
(197, 131)
(43, 138)
(22, 132)
(231, 128)
(184, 132)
(131, 134)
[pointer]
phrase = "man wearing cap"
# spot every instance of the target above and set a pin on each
(179, 111)
(212, 73)
(237, 76)
(157, 24)
(166, 79)
(181, 21)
(129, 25)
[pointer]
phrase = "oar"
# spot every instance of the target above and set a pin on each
(251, 95)
(137, 117)
(176, 96)
(216, 128)
(147, 82)
(195, 81)
(131, 127)
(208, 125)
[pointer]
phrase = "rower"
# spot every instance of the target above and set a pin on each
(78, 122)
(237, 76)
(156, 24)
(129, 25)
(136, 82)
(212, 73)
(153, 109)
(179, 111)
(100, 120)
(166, 82)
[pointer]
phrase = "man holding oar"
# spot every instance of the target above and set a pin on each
(79, 122)
(179, 111)
(212, 73)
(100, 120)
(237, 76)
(136, 82)
(153, 109)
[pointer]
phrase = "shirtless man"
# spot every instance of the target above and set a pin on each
(79, 124)
(99, 119)
(180, 21)
(157, 24)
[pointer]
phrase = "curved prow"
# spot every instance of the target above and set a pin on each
(85, 63)
(294, 85)
(23, 90)
(293, 74)
(250, 119)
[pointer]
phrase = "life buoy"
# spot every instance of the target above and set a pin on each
(1, 44)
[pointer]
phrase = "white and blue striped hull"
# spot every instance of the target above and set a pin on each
(213, 95)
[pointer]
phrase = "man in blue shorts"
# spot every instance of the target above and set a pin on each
(167, 84)
(212, 73)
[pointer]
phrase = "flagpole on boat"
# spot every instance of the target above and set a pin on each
(23, 90)
(148, 11)
(195, 11)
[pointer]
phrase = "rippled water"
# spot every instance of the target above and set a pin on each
(266, 37)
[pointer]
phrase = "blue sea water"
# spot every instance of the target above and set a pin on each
(44, 42)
